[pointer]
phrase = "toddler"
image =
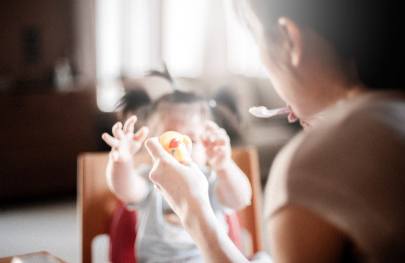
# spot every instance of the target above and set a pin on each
(160, 235)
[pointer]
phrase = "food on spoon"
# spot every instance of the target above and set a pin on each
(176, 144)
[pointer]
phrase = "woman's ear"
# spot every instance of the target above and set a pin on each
(292, 37)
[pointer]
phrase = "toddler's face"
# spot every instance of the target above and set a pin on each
(184, 120)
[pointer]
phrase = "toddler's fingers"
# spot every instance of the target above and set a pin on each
(113, 155)
(111, 141)
(219, 148)
(220, 141)
(209, 137)
(214, 131)
(120, 134)
(220, 132)
(116, 128)
(211, 125)
(141, 134)
(208, 140)
(204, 140)
(222, 137)
(129, 124)
(214, 141)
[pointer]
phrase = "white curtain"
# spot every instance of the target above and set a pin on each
(128, 37)
(184, 36)
(196, 39)
(243, 52)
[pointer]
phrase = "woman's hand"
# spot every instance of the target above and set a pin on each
(217, 146)
(185, 188)
(183, 185)
(125, 143)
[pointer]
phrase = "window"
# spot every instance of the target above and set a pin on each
(133, 36)
(127, 44)
(243, 52)
(184, 27)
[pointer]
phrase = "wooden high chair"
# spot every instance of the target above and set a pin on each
(96, 204)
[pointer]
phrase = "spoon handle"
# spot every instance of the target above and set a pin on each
(263, 112)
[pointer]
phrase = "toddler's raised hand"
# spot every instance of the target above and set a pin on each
(125, 143)
(217, 146)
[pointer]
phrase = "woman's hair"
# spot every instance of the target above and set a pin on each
(367, 30)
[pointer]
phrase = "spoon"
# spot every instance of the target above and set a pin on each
(263, 112)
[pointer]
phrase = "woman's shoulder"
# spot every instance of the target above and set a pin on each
(354, 127)
(372, 106)
(356, 139)
(368, 112)
(349, 169)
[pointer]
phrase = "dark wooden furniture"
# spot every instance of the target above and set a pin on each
(41, 134)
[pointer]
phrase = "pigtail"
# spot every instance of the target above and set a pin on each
(163, 74)
(134, 102)
(226, 112)
(166, 102)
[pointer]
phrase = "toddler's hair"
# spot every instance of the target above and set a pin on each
(223, 108)
(227, 113)
(180, 97)
(164, 102)
(132, 101)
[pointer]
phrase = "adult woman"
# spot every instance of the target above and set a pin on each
(335, 191)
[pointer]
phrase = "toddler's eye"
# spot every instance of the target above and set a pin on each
(173, 151)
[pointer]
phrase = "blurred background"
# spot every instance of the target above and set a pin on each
(64, 64)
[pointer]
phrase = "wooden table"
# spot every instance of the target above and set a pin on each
(26, 256)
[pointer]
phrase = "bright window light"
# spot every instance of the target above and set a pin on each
(137, 37)
(243, 52)
(108, 39)
(108, 94)
(134, 36)
(124, 45)
(184, 25)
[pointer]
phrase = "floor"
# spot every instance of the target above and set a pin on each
(46, 225)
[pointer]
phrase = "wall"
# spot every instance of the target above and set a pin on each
(33, 34)
(42, 135)
(43, 129)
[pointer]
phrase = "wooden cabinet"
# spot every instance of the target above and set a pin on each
(40, 138)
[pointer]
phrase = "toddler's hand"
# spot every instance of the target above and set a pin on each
(125, 143)
(217, 146)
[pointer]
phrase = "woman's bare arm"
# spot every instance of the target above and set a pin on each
(190, 201)
(122, 178)
(299, 235)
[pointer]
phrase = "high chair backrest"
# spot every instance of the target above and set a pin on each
(250, 218)
(96, 203)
